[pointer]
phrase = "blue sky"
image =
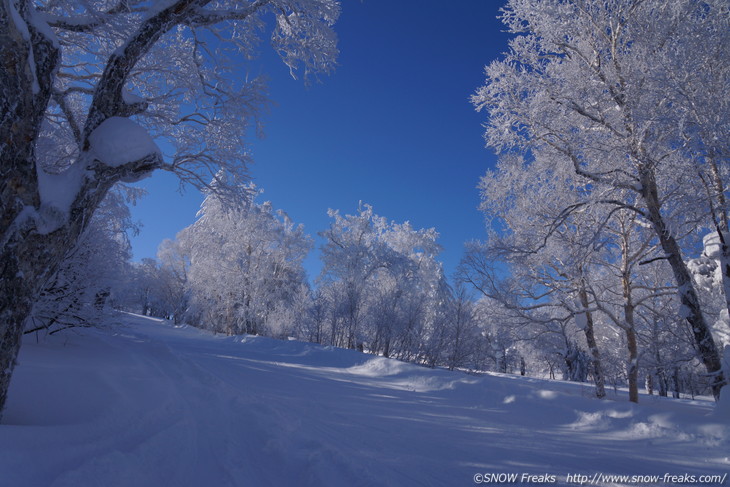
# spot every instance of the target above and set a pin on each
(392, 127)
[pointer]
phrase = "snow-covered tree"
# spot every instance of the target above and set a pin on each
(352, 255)
(609, 89)
(245, 271)
(412, 291)
(623, 283)
(140, 289)
(547, 244)
(708, 274)
(75, 74)
(172, 278)
(383, 283)
(463, 330)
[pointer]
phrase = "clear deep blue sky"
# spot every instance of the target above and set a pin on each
(392, 127)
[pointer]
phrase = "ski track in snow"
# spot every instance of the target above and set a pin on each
(150, 404)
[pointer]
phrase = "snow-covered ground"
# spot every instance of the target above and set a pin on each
(149, 404)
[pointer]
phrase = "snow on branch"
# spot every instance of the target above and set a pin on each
(119, 141)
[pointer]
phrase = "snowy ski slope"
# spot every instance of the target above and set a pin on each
(149, 404)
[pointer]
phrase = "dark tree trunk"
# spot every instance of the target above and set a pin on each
(523, 366)
(708, 351)
(675, 380)
(632, 368)
(27, 260)
(633, 365)
(598, 376)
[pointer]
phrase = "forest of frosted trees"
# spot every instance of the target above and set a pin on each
(605, 258)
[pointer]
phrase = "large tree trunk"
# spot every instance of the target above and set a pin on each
(28, 256)
(16, 299)
(25, 89)
(705, 343)
(27, 260)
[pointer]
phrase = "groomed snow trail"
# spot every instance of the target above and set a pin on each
(149, 404)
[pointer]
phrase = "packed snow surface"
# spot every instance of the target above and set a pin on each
(145, 403)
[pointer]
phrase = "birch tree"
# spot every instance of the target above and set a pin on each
(549, 245)
(594, 86)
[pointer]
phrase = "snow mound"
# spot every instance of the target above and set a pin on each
(713, 245)
(379, 367)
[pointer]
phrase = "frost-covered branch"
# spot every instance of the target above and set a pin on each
(91, 21)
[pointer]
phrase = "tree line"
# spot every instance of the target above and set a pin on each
(555, 311)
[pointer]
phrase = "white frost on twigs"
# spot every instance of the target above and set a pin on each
(118, 141)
